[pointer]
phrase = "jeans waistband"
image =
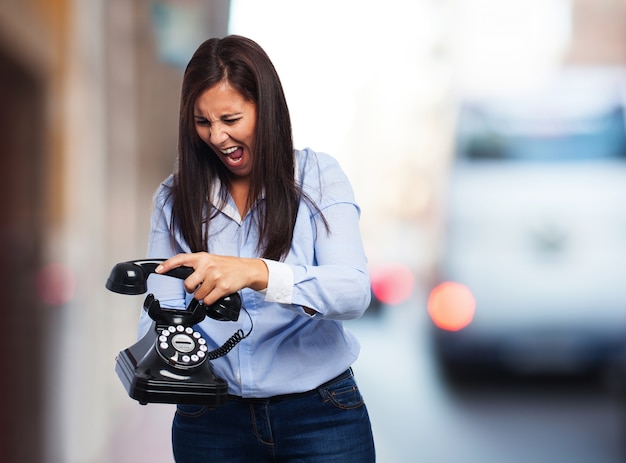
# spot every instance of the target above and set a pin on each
(342, 376)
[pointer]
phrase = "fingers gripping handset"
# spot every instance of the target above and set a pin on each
(131, 278)
(171, 363)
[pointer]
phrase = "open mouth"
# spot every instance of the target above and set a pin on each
(233, 155)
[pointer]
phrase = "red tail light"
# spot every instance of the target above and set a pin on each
(451, 306)
(392, 283)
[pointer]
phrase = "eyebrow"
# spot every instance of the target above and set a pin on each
(222, 117)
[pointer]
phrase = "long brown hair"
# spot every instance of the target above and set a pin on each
(246, 66)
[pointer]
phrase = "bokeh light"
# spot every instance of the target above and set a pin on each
(392, 283)
(56, 284)
(451, 306)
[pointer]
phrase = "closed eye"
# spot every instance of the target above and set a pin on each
(227, 120)
(202, 121)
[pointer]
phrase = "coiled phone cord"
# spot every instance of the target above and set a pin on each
(231, 342)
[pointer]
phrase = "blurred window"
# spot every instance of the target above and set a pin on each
(489, 134)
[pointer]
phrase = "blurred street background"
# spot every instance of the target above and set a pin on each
(88, 128)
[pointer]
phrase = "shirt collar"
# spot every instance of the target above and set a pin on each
(228, 208)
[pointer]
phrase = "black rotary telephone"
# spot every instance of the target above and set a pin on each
(171, 363)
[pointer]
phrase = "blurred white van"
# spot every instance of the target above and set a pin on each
(532, 268)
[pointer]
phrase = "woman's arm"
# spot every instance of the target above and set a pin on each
(336, 285)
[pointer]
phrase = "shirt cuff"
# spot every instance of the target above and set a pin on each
(279, 283)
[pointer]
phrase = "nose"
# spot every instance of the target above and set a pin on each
(218, 133)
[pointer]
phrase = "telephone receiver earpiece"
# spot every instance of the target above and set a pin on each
(131, 277)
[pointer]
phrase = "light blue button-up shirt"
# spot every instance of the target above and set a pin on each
(288, 350)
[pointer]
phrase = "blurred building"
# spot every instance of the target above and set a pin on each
(88, 127)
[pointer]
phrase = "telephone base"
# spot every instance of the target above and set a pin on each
(163, 384)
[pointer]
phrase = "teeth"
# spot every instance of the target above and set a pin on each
(229, 150)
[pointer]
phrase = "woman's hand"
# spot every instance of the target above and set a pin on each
(218, 276)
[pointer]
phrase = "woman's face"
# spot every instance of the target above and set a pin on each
(226, 121)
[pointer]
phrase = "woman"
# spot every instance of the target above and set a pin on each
(280, 226)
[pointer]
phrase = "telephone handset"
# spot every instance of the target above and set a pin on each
(171, 362)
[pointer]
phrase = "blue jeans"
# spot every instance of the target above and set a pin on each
(327, 425)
